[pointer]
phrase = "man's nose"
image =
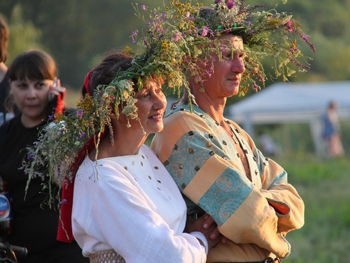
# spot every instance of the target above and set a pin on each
(238, 65)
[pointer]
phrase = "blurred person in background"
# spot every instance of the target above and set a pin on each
(267, 145)
(36, 91)
(331, 131)
(4, 81)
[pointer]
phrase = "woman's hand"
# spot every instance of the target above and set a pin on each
(206, 225)
(56, 97)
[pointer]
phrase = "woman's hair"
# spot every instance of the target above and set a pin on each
(104, 73)
(4, 39)
(32, 65)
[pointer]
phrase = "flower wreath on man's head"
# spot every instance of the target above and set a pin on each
(185, 34)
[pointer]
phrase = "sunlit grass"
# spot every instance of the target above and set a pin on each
(323, 184)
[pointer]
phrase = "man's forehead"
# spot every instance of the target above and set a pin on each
(235, 40)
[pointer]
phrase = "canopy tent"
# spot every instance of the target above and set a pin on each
(292, 103)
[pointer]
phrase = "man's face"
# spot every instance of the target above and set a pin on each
(226, 78)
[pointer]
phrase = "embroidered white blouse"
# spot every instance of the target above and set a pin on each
(132, 205)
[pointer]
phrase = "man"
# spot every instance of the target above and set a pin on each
(215, 162)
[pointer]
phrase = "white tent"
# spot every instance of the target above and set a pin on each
(288, 103)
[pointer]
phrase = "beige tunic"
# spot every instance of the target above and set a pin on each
(256, 211)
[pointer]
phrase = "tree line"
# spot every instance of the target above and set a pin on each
(78, 33)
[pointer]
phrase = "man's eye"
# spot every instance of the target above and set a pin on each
(145, 95)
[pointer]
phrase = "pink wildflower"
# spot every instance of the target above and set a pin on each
(205, 31)
(177, 36)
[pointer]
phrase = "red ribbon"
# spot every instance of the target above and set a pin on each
(64, 232)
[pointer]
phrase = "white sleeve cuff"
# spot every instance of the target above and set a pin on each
(202, 240)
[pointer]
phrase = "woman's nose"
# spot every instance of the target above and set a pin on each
(160, 101)
(31, 91)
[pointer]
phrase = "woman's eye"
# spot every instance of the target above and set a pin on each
(22, 85)
(40, 85)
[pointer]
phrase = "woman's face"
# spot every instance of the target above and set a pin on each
(31, 97)
(226, 78)
(151, 106)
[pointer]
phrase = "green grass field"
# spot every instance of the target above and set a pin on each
(324, 186)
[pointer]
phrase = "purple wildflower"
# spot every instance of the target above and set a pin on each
(81, 135)
(143, 7)
(293, 50)
(29, 157)
(223, 48)
(255, 87)
(305, 37)
(80, 113)
(217, 1)
(230, 4)
(133, 37)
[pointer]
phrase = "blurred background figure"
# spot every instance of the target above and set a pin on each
(38, 94)
(4, 80)
(331, 131)
(267, 145)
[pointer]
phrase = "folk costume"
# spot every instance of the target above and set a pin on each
(254, 211)
(111, 223)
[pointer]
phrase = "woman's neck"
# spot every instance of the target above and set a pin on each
(29, 122)
(125, 143)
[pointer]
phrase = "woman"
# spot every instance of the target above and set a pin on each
(32, 77)
(125, 205)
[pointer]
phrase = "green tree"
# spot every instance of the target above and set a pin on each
(23, 34)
